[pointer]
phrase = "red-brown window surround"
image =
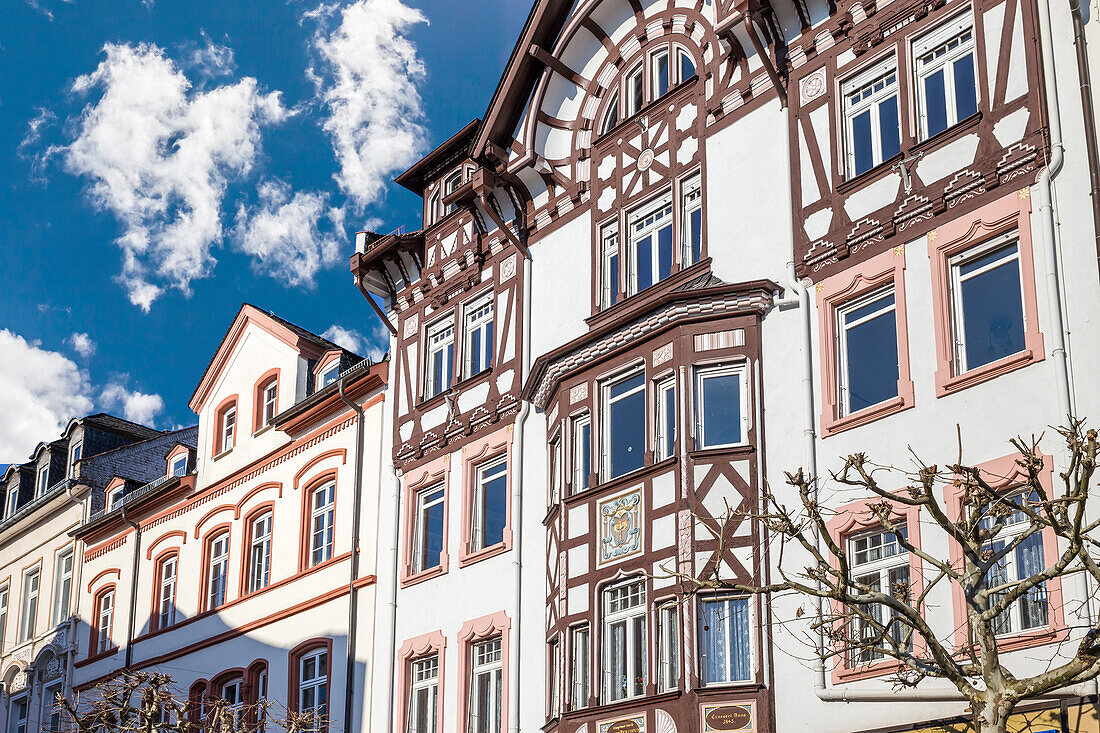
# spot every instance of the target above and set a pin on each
(93, 640)
(294, 670)
(265, 380)
(246, 546)
(158, 566)
(410, 651)
(219, 425)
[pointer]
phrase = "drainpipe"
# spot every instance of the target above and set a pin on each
(1089, 113)
(353, 598)
(70, 655)
(133, 587)
(517, 508)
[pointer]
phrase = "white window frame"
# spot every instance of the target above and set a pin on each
(655, 72)
(478, 318)
(13, 501)
(62, 585)
(330, 374)
(259, 565)
(610, 115)
(691, 200)
(723, 598)
(554, 658)
(229, 428)
(174, 468)
(634, 88)
(1011, 621)
(881, 553)
(655, 215)
(438, 337)
(681, 54)
(233, 693)
(322, 523)
(318, 684)
(43, 484)
(74, 455)
(705, 371)
(486, 660)
(580, 666)
(115, 498)
(879, 70)
(843, 326)
(20, 703)
(554, 455)
(664, 424)
(168, 577)
(218, 569)
(270, 402)
(632, 591)
(49, 714)
(424, 677)
(484, 473)
(5, 596)
(448, 189)
(954, 267)
(668, 646)
(610, 252)
(105, 620)
(606, 402)
(420, 528)
(930, 42)
(581, 479)
(28, 603)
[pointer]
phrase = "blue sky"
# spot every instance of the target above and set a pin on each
(163, 161)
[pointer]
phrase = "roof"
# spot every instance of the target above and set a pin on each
(450, 150)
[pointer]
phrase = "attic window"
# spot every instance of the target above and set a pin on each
(43, 480)
(114, 501)
(330, 375)
(74, 456)
(178, 466)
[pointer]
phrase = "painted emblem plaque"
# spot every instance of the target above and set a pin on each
(620, 526)
(727, 716)
(635, 724)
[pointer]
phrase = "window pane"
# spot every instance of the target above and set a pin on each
(687, 66)
(871, 351)
(888, 127)
(613, 278)
(696, 221)
(720, 421)
(862, 151)
(1029, 562)
(966, 97)
(993, 309)
(627, 426)
(935, 101)
(664, 252)
(660, 74)
(494, 496)
(644, 264)
(617, 661)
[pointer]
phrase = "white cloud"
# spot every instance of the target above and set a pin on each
(159, 155)
(44, 118)
(283, 234)
(373, 346)
(42, 390)
(210, 59)
(82, 344)
(135, 406)
(368, 79)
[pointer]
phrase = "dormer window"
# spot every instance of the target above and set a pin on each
(43, 480)
(178, 466)
(12, 500)
(330, 375)
(115, 497)
(74, 456)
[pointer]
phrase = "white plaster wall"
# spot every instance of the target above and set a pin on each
(561, 295)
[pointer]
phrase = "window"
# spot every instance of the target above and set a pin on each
(261, 700)
(665, 440)
(725, 640)
(871, 128)
(229, 428)
(13, 501)
(428, 534)
(610, 266)
(62, 586)
(440, 358)
(28, 610)
(1030, 611)
(720, 413)
(687, 65)
(867, 351)
(322, 523)
(624, 424)
(104, 615)
(579, 669)
(3, 617)
(668, 652)
(659, 69)
(490, 509)
(178, 466)
(555, 469)
(554, 658)
(233, 694)
(166, 592)
(691, 208)
(51, 712)
(611, 118)
(424, 695)
(987, 302)
(582, 452)
(18, 716)
(946, 88)
(650, 246)
(624, 637)
(74, 456)
(486, 680)
(114, 501)
(313, 684)
(218, 571)
(330, 375)
(635, 91)
(271, 402)
(879, 562)
(259, 553)
(478, 346)
(433, 209)
(454, 182)
(43, 480)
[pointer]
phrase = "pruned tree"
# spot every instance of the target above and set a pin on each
(986, 519)
(140, 702)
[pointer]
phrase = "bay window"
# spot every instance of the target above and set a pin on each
(259, 554)
(477, 349)
(555, 469)
(580, 667)
(428, 529)
(486, 682)
(945, 76)
(424, 695)
(322, 523)
(490, 504)
(871, 124)
(725, 640)
(879, 562)
(439, 360)
(554, 659)
(665, 442)
(721, 412)
(650, 255)
(624, 641)
(624, 424)
(867, 351)
(582, 452)
(217, 571)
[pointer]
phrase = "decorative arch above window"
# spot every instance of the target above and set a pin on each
(265, 399)
(659, 70)
(225, 426)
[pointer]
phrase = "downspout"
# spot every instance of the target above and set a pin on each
(70, 655)
(353, 598)
(133, 586)
(1089, 114)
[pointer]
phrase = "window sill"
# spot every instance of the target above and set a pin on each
(223, 454)
(1024, 639)
(869, 414)
(423, 575)
(612, 707)
(484, 554)
(98, 656)
(992, 370)
(626, 307)
(262, 430)
(867, 671)
(552, 512)
(740, 449)
(638, 474)
(945, 135)
(874, 172)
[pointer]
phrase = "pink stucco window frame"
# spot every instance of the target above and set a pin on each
(434, 472)
(993, 219)
(472, 632)
(833, 293)
(421, 646)
(476, 454)
(1004, 474)
(854, 518)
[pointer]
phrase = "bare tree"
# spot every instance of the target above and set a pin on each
(140, 702)
(858, 619)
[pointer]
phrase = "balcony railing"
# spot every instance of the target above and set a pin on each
(133, 496)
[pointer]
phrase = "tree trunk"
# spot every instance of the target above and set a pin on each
(990, 718)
